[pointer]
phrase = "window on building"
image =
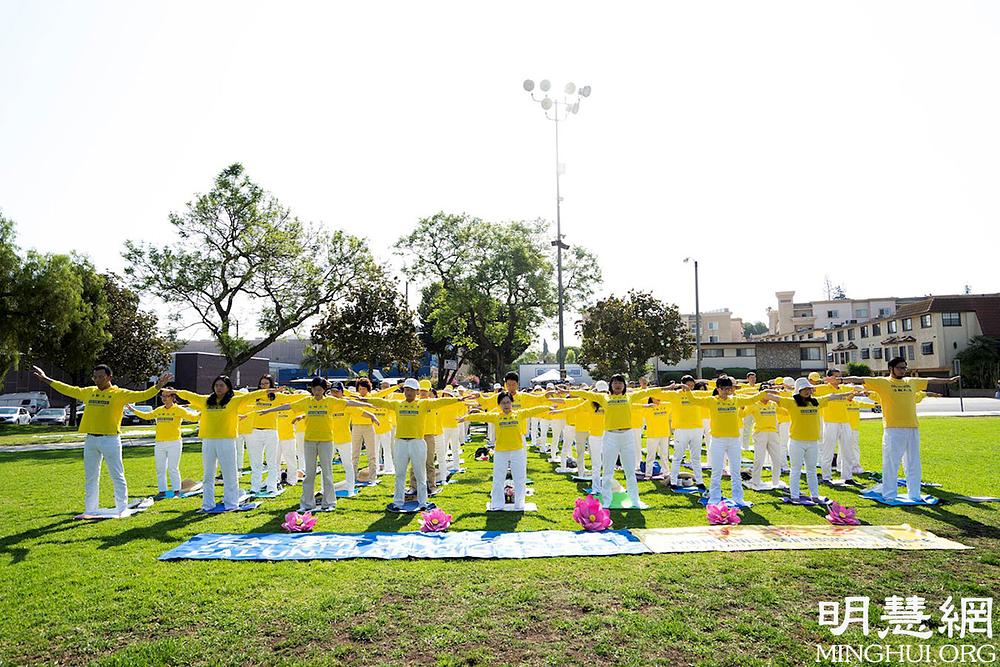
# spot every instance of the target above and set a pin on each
(876, 329)
(852, 356)
(745, 352)
(884, 312)
(865, 354)
(840, 336)
(927, 348)
(909, 352)
(864, 332)
(829, 358)
(713, 326)
(891, 326)
(925, 321)
(712, 353)
(876, 353)
(861, 312)
(829, 338)
(850, 334)
(833, 313)
(713, 339)
(888, 353)
(951, 319)
(809, 354)
(907, 324)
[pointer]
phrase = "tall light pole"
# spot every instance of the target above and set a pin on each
(570, 105)
(697, 319)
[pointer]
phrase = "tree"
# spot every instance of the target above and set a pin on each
(373, 326)
(981, 362)
(753, 329)
(858, 369)
(495, 284)
(621, 335)
(239, 248)
(136, 349)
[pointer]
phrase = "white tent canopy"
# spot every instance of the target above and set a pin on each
(551, 375)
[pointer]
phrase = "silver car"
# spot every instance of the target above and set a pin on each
(19, 416)
(57, 416)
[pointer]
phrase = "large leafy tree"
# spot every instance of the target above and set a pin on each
(240, 250)
(981, 362)
(621, 334)
(496, 284)
(437, 344)
(137, 350)
(374, 325)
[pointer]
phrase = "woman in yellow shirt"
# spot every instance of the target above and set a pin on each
(167, 448)
(263, 443)
(803, 445)
(509, 451)
(765, 443)
(657, 434)
(217, 427)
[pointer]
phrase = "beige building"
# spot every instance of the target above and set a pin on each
(717, 326)
(793, 320)
(928, 333)
(772, 358)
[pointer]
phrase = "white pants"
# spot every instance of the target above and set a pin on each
(404, 452)
(167, 454)
(855, 446)
(385, 452)
(720, 450)
(365, 433)
(323, 450)
(784, 430)
(803, 451)
(557, 432)
(542, 432)
(264, 443)
(706, 430)
(300, 451)
(657, 447)
(619, 443)
(517, 461)
(901, 444)
(581, 438)
(595, 443)
(833, 434)
(765, 444)
(637, 444)
(687, 440)
(107, 448)
(286, 453)
(491, 434)
(345, 451)
(569, 440)
(241, 449)
(454, 443)
(746, 432)
(221, 452)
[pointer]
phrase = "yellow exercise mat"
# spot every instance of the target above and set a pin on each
(755, 538)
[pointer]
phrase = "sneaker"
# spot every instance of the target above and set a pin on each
(284, 478)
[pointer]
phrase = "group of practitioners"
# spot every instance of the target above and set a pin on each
(790, 425)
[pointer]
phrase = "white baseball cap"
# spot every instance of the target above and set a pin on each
(802, 383)
(600, 385)
(411, 383)
(497, 385)
(550, 386)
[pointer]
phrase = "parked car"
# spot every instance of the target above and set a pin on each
(57, 416)
(32, 401)
(128, 416)
(17, 416)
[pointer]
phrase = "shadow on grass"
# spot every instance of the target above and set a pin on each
(18, 554)
(157, 532)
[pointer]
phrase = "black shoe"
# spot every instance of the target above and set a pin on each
(284, 478)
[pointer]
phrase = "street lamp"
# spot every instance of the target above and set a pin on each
(697, 319)
(570, 103)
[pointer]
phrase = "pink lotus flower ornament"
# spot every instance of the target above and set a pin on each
(589, 514)
(842, 516)
(434, 521)
(721, 515)
(299, 523)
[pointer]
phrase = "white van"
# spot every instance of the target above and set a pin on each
(32, 400)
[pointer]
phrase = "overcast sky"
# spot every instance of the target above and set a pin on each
(778, 142)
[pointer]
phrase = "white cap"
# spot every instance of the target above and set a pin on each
(802, 383)
(601, 385)
(460, 389)
(411, 383)
(550, 386)
(497, 385)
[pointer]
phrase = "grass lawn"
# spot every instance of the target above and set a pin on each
(45, 435)
(73, 592)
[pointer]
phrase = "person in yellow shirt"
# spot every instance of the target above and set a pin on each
(263, 442)
(244, 433)
(217, 427)
(286, 445)
(557, 423)
(900, 432)
(765, 443)
(510, 452)
(725, 427)
(803, 447)
(450, 415)
(317, 413)
(384, 432)
(686, 416)
(749, 386)
(836, 432)
(410, 446)
(102, 419)
(588, 415)
(784, 426)
(167, 446)
(657, 434)
(618, 437)
(363, 433)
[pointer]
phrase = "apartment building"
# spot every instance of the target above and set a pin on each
(717, 326)
(793, 320)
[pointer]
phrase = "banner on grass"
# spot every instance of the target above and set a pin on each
(755, 538)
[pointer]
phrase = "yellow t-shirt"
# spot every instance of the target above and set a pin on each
(583, 415)
(103, 412)
(245, 425)
(617, 408)
(898, 399)
(783, 416)
(411, 416)
(270, 420)
(835, 412)
(318, 422)
(450, 413)
(724, 413)
(686, 412)
(286, 429)
(765, 417)
(805, 418)
(658, 419)
(168, 421)
(219, 421)
(854, 408)
(432, 425)
(509, 426)
(595, 421)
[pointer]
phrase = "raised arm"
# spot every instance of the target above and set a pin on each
(63, 388)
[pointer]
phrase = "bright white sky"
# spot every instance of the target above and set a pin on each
(778, 142)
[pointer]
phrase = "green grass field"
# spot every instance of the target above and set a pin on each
(75, 592)
(12, 436)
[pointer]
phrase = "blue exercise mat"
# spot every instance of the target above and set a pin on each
(458, 544)
(220, 508)
(728, 501)
(899, 500)
(684, 489)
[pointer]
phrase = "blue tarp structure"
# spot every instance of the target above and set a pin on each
(458, 544)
